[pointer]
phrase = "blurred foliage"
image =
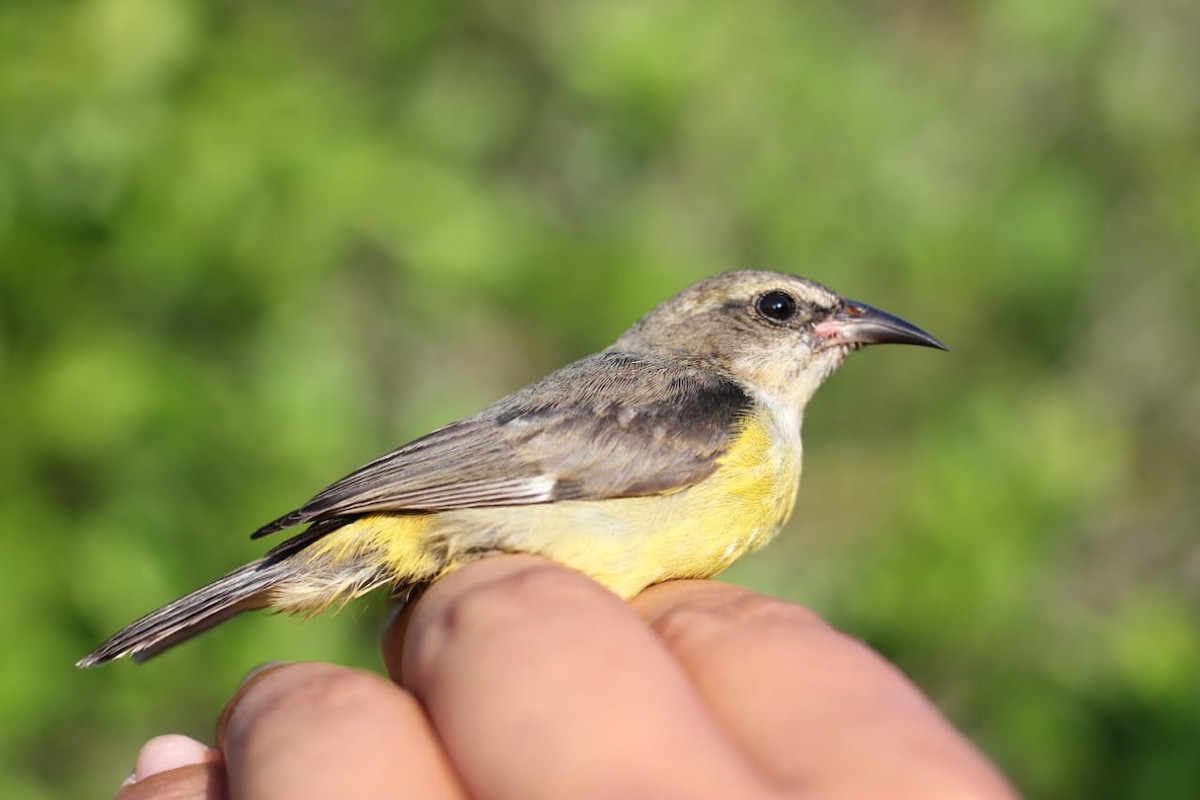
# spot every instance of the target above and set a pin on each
(246, 246)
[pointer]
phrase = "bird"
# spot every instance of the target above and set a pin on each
(669, 454)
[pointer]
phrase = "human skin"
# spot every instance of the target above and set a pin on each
(516, 678)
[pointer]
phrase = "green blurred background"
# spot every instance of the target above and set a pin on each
(247, 246)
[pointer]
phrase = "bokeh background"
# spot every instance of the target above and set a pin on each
(246, 246)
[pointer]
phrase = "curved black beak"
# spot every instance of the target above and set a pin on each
(859, 323)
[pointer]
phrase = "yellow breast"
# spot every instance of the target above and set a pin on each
(625, 543)
(630, 543)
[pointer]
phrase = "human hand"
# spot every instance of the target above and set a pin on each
(516, 678)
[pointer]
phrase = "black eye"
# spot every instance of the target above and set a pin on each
(777, 306)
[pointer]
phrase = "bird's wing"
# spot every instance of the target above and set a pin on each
(609, 425)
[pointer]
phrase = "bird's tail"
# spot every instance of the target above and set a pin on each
(244, 589)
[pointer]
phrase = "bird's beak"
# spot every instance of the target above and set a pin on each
(859, 323)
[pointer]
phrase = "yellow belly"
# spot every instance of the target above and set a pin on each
(626, 543)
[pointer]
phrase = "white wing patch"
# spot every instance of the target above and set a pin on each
(505, 492)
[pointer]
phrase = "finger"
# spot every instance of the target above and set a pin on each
(188, 769)
(319, 731)
(191, 782)
(542, 684)
(815, 708)
(168, 752)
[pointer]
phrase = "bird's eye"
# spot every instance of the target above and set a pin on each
(777, 306)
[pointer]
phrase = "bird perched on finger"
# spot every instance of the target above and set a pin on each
(667, 455)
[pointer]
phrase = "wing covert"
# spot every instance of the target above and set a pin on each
(609, 425)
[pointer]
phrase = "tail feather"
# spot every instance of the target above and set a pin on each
(243, 589)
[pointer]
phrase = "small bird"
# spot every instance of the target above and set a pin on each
(668, 455)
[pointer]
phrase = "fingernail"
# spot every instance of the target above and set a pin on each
(258, 671)
(168, 752)
(396, 617)
(249, 680)
(400, 608)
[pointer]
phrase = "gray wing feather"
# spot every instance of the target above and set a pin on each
(609, 425)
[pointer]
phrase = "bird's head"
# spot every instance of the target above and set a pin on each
(780, 335)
